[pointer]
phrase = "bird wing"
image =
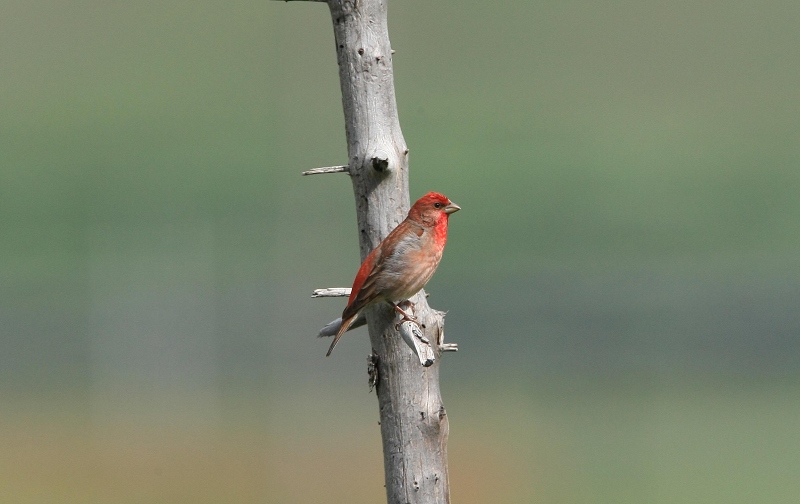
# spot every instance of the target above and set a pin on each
(364, 284)
(365, 287)
(359, 296)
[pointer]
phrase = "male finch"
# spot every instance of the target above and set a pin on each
(403, 262)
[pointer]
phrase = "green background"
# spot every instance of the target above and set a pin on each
(623, 280)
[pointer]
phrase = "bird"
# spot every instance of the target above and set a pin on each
(403, 262)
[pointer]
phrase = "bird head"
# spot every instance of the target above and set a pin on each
(431, 208)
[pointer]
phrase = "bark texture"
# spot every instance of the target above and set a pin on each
(414, 424)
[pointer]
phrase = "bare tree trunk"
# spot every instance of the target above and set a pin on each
(414, 425)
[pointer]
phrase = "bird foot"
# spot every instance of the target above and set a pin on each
(406, 316)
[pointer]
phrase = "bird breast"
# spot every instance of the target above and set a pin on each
(410, 266)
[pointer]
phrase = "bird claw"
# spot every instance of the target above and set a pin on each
(406, 316)
(405, 319)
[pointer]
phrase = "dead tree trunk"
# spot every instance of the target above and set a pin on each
(414, 425)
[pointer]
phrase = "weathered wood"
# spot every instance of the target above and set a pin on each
(331, 292)
(414, 424)
(411, 332)
(332, 327)
(327, 169)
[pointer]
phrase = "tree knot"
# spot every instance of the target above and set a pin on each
(380, 165)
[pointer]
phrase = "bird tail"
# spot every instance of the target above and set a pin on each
(346, 323)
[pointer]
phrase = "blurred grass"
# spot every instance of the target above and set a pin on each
(622, 440)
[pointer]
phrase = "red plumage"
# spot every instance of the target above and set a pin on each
(403, 262)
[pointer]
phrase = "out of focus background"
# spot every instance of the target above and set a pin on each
(623, 280)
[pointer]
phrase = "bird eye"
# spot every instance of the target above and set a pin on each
(437, 205)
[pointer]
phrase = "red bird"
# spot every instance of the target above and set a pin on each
(402, 263)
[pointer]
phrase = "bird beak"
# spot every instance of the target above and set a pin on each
(452, 207)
